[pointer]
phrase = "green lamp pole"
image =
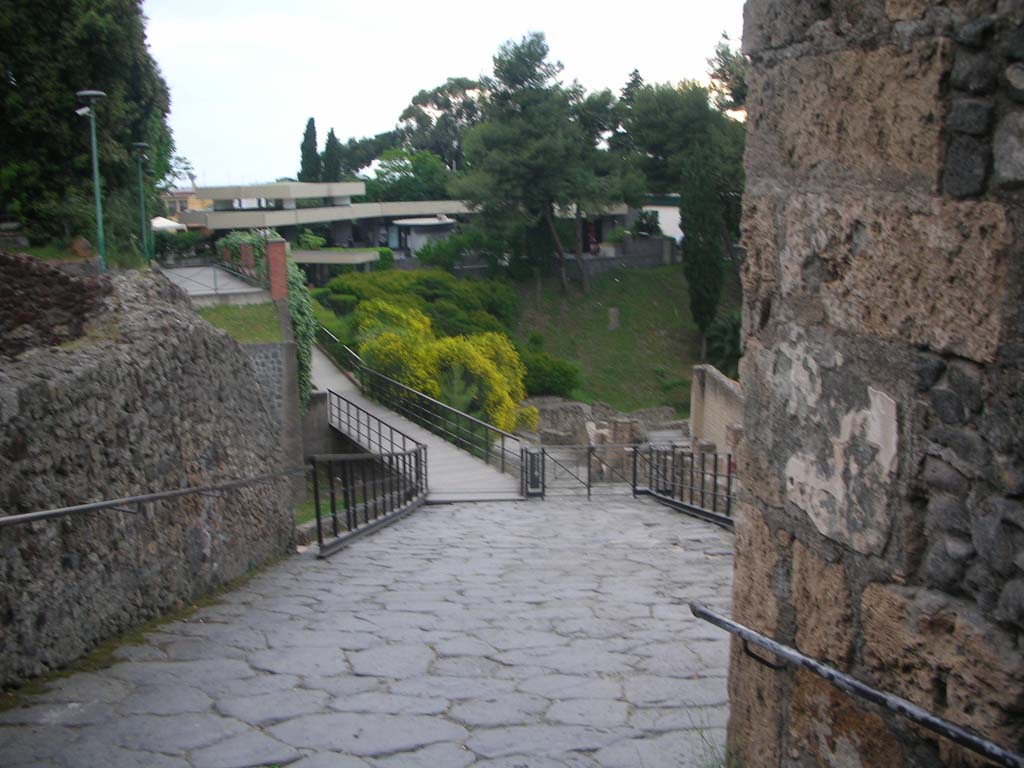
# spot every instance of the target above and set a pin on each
(140, 151)
(90, 98)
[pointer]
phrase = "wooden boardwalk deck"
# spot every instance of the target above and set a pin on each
(454, 475)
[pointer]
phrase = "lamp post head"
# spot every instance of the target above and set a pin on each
(90, 96)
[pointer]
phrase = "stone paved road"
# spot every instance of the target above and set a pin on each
(531, 635)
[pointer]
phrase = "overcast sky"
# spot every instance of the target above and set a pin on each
(245, 75)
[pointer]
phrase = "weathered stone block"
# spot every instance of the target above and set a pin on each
(830, 727)
(973, 116)
(756, 705)
(876, 279)
(824, 615)
(1008, 150)
(847, 497)
(976, 32)
(754, 601)
(974, 72)
(774, 25)
(1013, 76)
(805, 118)
(966, 167)
(942, 655)
(941, 476)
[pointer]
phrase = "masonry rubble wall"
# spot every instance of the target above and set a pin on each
(716, 409)
(149, 397)
(883, 526)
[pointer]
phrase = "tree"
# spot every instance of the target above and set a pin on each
(357, 154)
(407, 174)
(48, 50)
(703, 223)
(437, 120)
(728, 76)
(309, 167)
(332, 157)
(537, 153)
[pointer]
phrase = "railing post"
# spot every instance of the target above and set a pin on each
(543, 472)
(503, 453)
(728, 484)
(703, 472)
(334, 498)
(316, 502)
(635, 450)
(714, 487)
(590, 452)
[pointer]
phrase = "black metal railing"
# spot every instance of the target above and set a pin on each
(135, 504)
(700, 483)
(355, 494)
(342, 354)
(485, 441)
(790, 656)
(482, 440)
(369, 431)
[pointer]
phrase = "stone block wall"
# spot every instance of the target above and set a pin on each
(716, 408)
(883, 527)
(152, 398)
(29, 317)
(276, 373)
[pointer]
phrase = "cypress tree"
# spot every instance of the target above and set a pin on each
(332, 158)
(309, 170)
(704, 233)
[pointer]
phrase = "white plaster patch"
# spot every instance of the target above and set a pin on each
(802, 387)
(860, 520)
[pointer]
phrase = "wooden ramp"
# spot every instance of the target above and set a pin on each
(453, 474)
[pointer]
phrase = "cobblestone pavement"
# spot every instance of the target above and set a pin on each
(526, 635)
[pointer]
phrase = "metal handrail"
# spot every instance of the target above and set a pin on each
(120, 504)
(379, 422)
(854, 687)
(442, 405)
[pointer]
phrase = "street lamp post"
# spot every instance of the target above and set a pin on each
(140, 150)
(90, 98)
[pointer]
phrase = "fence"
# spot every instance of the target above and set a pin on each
(701, 484)
(486, 442)
(357, 494)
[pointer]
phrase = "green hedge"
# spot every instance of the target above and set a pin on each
(549, 375)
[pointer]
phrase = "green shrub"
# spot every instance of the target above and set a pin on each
(617, 235)
(647, 224)
(386, 260)
(309, 241)
(549, 375)
(342, 303)
(535, 341)
(168, 245)
(304, 326)
(724, 344)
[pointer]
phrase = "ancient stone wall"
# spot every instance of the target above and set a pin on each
(883, 530)
(716, 408)
(149, 398)
(30, 317)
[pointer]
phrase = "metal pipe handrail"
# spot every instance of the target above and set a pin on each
(392, 431)
(444, 406)
(48, 514)
(854, 687)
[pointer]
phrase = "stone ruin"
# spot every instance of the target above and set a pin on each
(42, 306)
(883, 454)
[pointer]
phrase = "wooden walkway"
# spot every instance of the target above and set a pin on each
(454, 475)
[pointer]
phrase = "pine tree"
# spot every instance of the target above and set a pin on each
(332, 158)
(309, 170)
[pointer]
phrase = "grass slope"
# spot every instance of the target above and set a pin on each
(248, 324)
(647, 360)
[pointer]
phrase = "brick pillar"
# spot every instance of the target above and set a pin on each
(882, 524)
(246, 264)
(277, 269)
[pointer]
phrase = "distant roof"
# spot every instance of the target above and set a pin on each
(284, 190)
(440, 220)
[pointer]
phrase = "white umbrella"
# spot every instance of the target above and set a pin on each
(161, 224)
